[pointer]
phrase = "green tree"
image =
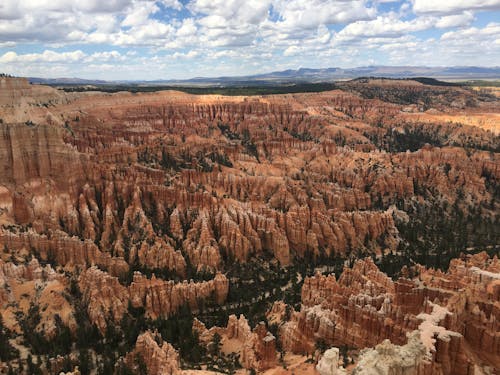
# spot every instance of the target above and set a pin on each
(215, 344)
(7, 351)
(85, 362)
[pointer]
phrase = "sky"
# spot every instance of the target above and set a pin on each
(178, 39)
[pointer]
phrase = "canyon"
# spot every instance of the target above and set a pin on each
(263, 231)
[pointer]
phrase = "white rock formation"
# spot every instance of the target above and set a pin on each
(329, 363)
(390, 359)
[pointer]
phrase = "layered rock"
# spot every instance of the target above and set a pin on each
(164, 298)
(365, 307)
(174, 184)
(156, 355)
(108, 300)
(67, 251)
(257, 348)
(158, 178)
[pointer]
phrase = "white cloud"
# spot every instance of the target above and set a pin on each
(46, 56)
(225, 36)
(69, 57)
(106, 56)
(187, 29)
(139, 15)
(188, 55)
(292, 51)
(453, 6)
(384, 26)
(174, 4)
(309, 14)
(455, 20)
(390, 25)
(490, 31)
(7, 44)
(237, 11)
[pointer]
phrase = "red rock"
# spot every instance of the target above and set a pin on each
(158, 356)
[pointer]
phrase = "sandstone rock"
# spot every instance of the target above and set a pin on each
(174, 183)
(106, 298)
(257, 348)
(30, 284)
(364, 307)
(162, 298)
(158, 356)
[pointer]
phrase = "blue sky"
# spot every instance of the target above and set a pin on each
(147, 39)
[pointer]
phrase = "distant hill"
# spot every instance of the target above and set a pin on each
(303, 75)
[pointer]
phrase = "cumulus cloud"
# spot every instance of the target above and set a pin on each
(455, 20)
(139, 15)
(49, 56)
(310, 14)
(453, 6)
(226, 36)
(185, 55)
(384, 26)
(46, 56)
(243, 11)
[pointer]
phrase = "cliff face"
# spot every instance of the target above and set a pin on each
(33, 152)
(365, 307)
(18, 97)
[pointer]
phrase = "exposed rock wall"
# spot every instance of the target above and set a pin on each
(172, 180)
(257, 348)
(163, 298)
(158, 356)
(364, 307)
(108, 300)
(177, 185)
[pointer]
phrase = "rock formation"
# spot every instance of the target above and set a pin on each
(108, 300)
(163, 298)
(257, 348)
(329, 363)
(134, 195)
(125, 179)
(23, 286)
(387, 358)
(365, 307)
(158, 356)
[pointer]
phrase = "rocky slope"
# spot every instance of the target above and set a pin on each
(122, 213)
(452, 318)
(256, 349)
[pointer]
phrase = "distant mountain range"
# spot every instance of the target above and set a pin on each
(302, 75)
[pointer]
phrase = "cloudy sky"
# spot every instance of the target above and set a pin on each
(147, 39)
